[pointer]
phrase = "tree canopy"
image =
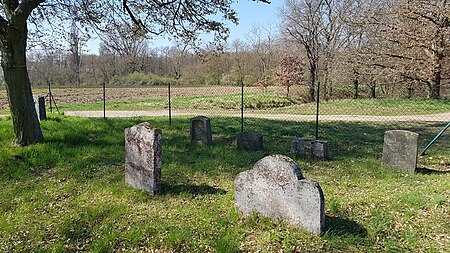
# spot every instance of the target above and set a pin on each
(183, 19)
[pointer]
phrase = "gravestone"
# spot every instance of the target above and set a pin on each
(250, 141)
(312, 148)
(276, 188)
(400, 150)
(39, 105)
(143, 157)
(201, 131)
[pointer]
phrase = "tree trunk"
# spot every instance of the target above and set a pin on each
(373, 89)
(312, 80)
(435, 82)
(356, 88)
(410, 90)
(26, 125)
(355, 83)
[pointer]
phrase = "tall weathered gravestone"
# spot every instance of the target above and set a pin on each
(400, 150)
(250, 141)
(143, 157)
(201, 131)
(276, 189)
(313, 148)
(39, 105)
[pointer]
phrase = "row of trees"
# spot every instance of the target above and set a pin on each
(399, 42)
(181, 19)
(121, 54)
(390, 47)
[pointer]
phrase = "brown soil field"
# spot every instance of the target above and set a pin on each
(92, 95)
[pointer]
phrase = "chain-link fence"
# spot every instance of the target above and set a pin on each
(428, 117)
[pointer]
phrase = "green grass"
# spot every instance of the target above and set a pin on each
(271, 103)
(223, 102)
(68, 193)
(373, 107)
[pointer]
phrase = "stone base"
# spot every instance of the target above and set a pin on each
(250, 141)
(313, 148)
(142, 179)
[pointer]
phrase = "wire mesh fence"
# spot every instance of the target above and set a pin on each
(426, 116)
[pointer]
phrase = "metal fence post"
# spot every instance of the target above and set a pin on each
(50, 97)
(434, 139)
(170, 106)
(104, 100)
(242, 106)
(317, 110)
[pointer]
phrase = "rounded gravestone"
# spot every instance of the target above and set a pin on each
(276, 188)
(201, 132)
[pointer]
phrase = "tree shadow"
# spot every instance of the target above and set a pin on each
(194, 190)
(337, 226)
(428, 171)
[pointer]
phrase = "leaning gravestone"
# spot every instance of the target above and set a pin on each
(201, 131)
(276, 189)
(313, 148)
(400, 150)
(250, 141)
(143, 157)
(39, 105)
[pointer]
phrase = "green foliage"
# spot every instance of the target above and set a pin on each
(251, 101)
(68, 193)
(139, 78)
(222, 102)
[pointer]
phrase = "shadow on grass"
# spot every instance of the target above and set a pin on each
(428, 171)
(336, 226)
(194, 190)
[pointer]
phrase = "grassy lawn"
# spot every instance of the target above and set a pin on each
(68, 193)
(271, 103)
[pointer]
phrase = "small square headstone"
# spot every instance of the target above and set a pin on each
(400, 150)
(250, 141)
(201, 131)
(143, 157)
(316, 149)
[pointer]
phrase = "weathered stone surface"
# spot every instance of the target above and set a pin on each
(276, 188)
(39, 104)
(400, 150)
(250, 141)
(313, 148)
(143, 157)
(201, 131)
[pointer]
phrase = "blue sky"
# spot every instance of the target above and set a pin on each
(250, 14)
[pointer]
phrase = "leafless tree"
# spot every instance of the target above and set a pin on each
(414, 35)
(178, 18)
(301, 21)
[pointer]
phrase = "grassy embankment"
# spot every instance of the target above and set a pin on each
(68, 193)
